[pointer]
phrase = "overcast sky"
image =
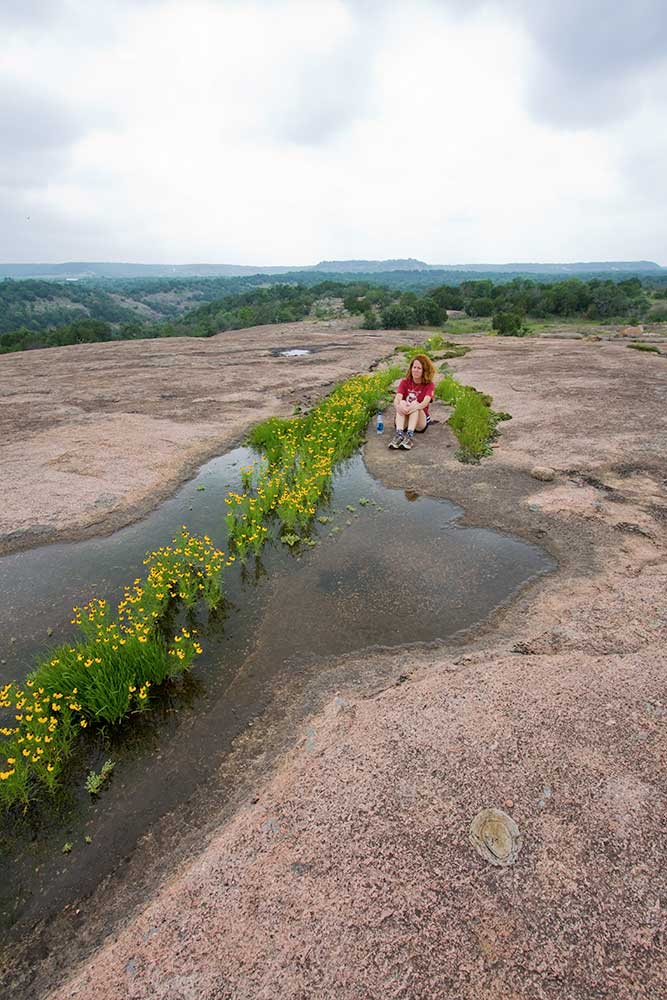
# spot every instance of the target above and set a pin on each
(290, 131)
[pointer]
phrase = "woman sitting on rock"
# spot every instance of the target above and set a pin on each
(411, 402)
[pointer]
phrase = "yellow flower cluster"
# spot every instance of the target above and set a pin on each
(110, 672)
(186, 570)
(301, 454)
(36, 742)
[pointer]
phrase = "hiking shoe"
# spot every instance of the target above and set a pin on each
(396, 441)
(406, 442)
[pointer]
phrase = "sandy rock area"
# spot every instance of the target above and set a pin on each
(345, 869)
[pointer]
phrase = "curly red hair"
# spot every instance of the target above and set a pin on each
(428, 368)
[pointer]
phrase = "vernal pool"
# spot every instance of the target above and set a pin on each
(388, 569)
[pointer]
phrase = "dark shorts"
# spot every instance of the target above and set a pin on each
(428, 421)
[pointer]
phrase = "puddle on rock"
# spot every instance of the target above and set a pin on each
(291, 352)
(39, 587)
(302, 350)
(390, 568)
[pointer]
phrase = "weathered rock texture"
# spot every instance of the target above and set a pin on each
(347, 872)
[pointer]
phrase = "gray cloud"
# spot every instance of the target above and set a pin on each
(31, 121)
(30, 12)
(599, 36)
(35, 134)
(322, 93)
(324, 99)
(34, 13)
(31, 231)
(21, 238)
(593, 57)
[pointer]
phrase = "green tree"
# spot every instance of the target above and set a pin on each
(481, 307)
(509, 324)
(398, 317)
(428, 312)
(370, 320)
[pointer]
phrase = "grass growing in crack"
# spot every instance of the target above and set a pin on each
(109, 672)
(437, 348)
(649, 348)
(473, 421)
(95, 781)
(298, 458)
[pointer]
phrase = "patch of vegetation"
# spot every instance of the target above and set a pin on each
(510, 324)
(468, 325)
(298, 458)
(473, 421)
(450, 350)
(94, 781)
(436, 347)
(410, 311)
(111, 670)
(649, 348)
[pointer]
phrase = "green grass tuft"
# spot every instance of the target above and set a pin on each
(473, 421)
(298, 456)
(649, 348)
(110, 671)
(94, 782)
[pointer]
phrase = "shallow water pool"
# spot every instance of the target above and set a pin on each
(389, 568)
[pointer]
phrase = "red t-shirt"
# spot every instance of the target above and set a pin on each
(415, 391)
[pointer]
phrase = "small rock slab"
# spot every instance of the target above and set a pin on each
(496, 837)
(543, 474)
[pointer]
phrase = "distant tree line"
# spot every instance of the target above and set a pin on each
(60, 314)
(281, 303)
(600, 299)
(81, 331)
(597, 298)
(39, 305)
(42, 305)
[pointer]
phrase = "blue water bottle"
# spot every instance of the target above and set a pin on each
(379, 423)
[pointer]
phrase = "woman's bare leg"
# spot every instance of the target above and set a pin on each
(400, 420)
(416, 421)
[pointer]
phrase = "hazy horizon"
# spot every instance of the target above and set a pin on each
(466, 265)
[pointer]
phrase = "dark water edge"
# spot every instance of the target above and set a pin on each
(390, 568)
